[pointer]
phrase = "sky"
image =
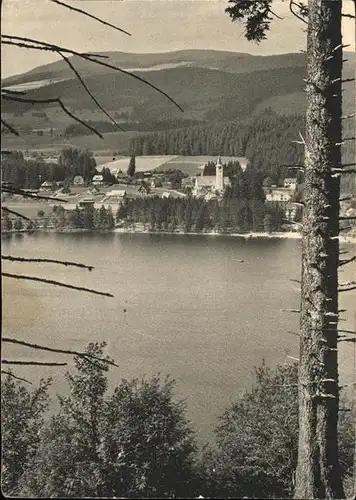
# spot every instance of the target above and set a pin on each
(155, 25)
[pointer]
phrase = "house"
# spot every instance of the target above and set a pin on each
(78, 180)
(290, 182)
(210, 196)
(120, 174)
(133, 190)
(164, 193)
(213, 183)
(98, 180)
(156, 182)
(86, 202)
(93, 190)
(278, 194)
(47, 186)
(188, 182)
(115, 196)
(291, 210)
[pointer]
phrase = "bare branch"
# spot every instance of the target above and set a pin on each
(347, 289)
(61, 351)
(5, 209)
(275, 15)
(35, 363)
(50, 261)
(94, 55)
(88, 91)
(9, 127)
(347, 283)
(292, 357)
(291, 310)
(291, 3)
(346, 117)
(10, 374)
(70, 7)
(56, 283)
(14, 92)
(347, 261)
(341, 46)
(293, 333)
(51, 101)
(25, 194)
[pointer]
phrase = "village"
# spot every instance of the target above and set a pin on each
(118, 182)
(174, 177)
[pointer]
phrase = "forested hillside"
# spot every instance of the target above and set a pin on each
(266, 140)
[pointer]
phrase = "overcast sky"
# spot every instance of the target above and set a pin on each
(156, 26)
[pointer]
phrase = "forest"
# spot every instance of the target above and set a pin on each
(231, 215)
(31, 173)
(266, 140)
(89, 218)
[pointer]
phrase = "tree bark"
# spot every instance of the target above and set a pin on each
(318, 473)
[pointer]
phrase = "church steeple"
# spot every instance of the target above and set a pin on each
(219, 172)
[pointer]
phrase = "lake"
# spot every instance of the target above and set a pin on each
(205, 309)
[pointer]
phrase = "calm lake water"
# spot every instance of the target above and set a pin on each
(205, 309)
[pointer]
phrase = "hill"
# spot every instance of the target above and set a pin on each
(211, 86)
(233, 62)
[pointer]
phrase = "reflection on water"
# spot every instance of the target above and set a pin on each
(206, 309)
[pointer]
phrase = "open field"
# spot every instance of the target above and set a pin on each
(143, 163)
(187, 164)
(190, 164)
(112, 141)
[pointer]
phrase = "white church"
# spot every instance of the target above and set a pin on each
(205, 185)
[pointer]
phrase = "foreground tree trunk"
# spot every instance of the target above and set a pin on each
(318, 472)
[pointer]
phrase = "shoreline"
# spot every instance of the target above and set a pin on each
(251, 235)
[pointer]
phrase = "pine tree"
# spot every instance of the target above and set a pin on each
(132, 167)
(318, 471)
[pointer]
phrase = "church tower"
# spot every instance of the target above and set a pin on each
(219, 182)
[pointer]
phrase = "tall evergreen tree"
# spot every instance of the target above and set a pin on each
(318, 471)
(132, 166)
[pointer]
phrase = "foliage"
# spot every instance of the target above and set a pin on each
(29, 174)
(108, 177)
(6, 223)
(22, 417)
(89, 218)
(257, 16)
(256, 450)
(78, 162)
(135, 443)
(18, 224)
(154, 441)
(132, 167)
